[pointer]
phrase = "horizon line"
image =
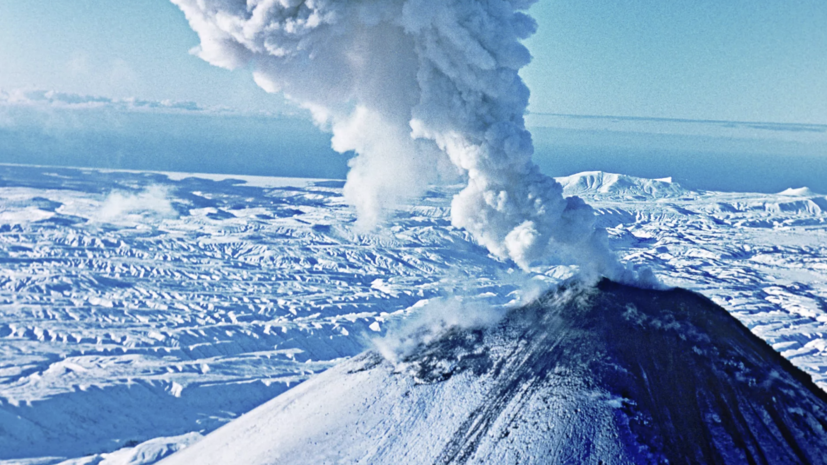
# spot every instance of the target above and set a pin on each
(676, 120)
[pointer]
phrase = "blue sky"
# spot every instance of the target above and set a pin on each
(117, 49)
(748, 60)
(726, 60)
(760, 60)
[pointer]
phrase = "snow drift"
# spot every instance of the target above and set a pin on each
(420, 90)
(607, 374)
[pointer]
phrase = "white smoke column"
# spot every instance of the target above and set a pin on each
(411, 85)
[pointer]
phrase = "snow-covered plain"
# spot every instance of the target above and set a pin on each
(139, 310)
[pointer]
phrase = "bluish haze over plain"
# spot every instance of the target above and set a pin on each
(731, 61)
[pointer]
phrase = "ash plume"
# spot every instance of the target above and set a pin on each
(421, 90)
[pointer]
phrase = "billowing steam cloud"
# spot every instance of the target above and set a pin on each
(420, 90)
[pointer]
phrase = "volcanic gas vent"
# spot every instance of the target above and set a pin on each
(608, 374)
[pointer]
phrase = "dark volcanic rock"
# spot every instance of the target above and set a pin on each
(606, 374)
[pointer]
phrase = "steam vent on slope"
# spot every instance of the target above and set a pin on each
(608, 374)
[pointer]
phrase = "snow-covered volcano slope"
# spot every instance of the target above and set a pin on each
(610, 374)
(138, 309)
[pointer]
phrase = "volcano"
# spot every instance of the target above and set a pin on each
(602, 374)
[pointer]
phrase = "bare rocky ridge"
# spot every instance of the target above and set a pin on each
(608, 374)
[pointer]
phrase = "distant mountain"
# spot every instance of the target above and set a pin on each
(588, 375)
(799, 192)
(597, 182)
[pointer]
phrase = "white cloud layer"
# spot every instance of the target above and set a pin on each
(413, 87)
(62, 100)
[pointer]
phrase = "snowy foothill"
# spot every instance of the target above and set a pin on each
(142, 309)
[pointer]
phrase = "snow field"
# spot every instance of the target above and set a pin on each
(138, 305)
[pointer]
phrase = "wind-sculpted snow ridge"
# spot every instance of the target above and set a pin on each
(189, 303)
(611, 375)
(420, 90)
